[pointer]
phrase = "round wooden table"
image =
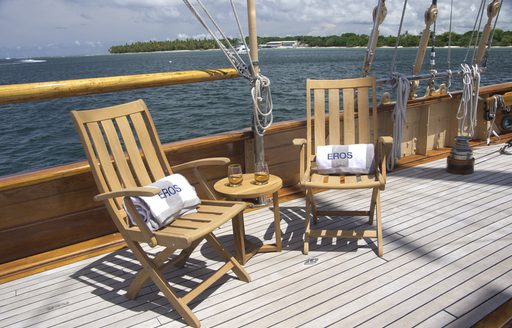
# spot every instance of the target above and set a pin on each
(248, 189)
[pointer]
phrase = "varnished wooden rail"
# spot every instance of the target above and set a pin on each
(16, 93)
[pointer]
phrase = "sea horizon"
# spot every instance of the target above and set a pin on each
(40, 134)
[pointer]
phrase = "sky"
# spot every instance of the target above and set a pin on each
(39, 28)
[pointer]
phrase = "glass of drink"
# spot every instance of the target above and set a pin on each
(261, 173)
(235, 176)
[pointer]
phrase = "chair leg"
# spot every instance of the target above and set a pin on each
(185, 254)
(238, 269)
(380, 250)
(313, 206)
(157, 277)
(375, 193)
(307, 223)
(160, 261)
(143, 275)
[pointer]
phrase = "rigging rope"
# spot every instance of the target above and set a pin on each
(432, 69)
(397, 43)
(484, 60)
(449, 60)
(450, 39)
(497, 102)
(260, 84)
(379, 13)
(466, 113)
(479, 15)
(260, 91)
(403, 88)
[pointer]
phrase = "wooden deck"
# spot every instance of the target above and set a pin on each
(447, 262)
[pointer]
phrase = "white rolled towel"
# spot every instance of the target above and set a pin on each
(345, 159)
(177, 197)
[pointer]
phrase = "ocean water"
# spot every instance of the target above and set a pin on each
(40, 134)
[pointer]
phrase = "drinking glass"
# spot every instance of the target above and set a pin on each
(261, 173)
(235, 176)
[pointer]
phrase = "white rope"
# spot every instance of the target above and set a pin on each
(403, 88)
(467, 111)
(260, 84)
(260, 92)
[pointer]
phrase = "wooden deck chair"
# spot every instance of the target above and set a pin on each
(356, 128)
(125, 154)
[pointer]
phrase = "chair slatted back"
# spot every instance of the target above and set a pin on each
(355, 98)
(122, 147)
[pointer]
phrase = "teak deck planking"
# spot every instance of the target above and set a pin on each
(447, 241)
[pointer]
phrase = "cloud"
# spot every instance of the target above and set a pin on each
(39, 22)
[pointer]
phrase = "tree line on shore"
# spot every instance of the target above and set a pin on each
(500, 38)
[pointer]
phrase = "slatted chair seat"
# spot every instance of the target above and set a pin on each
(342, 182)
(323, 121)
(183, 231)
(125, 155)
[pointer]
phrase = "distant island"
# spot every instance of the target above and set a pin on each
(500, 38)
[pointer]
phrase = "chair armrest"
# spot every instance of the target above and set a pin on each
(386, 140)
(202, 162)
(299, 141)
(195, 165)
(149, 237)
(128, 192)
(384, 145)
(303, 170)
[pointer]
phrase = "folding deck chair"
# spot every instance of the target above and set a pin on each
(355, 94)
(125, 154)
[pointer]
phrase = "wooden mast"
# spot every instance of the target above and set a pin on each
(259, 153)
(492, 11)
(430, 18)
(379, 14)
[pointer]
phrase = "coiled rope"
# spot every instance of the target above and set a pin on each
(260, 92)
(403, 87)
(467, 111)
(260, 84)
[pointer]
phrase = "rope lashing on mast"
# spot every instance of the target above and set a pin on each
(260, 90)
(467, 111)
(260, 84)
(402, 86)
(379, 14)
